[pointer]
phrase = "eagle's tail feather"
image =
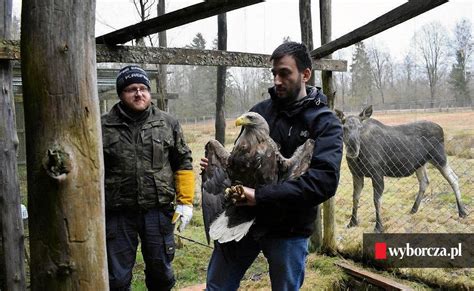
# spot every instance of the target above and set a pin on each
(221, 232)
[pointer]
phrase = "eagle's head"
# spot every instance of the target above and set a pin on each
(254, 121)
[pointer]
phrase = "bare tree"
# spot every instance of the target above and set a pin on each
(342, 80)
(379, 61)
(143, 8)
(64, 146)
(409, 71)
(430, 41)
(241, 82)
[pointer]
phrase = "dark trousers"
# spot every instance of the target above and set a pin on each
(286, 259)
(156, 235)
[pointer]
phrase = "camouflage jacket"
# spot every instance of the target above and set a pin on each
(141, 157)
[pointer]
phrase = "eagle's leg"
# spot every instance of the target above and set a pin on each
(235, 193)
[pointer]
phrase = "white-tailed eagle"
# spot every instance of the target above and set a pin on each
(254, 161)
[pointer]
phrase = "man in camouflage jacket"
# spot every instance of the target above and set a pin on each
(149, 183)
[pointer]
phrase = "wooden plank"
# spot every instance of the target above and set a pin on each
(173, 19)
(10, 50)
(396, 16)
(181, 56)
(373, 278)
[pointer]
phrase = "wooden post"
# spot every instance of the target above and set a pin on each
(329, 240)
(306, 26)
(64, 146)
(221, 77)
(307, 38)
(12, 255)
(162, 76)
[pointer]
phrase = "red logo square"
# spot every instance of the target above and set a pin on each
(380, 251)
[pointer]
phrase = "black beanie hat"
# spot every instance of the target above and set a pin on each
(129, 75)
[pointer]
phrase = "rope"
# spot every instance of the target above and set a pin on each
(191, 240)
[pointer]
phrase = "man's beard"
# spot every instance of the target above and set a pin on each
(292, 93)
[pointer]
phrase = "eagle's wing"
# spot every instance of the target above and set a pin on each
(214, 181)
(252, 168)
(232, 224)
(251, 164)
(298, 164)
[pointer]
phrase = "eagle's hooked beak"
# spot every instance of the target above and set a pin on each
(242, 120)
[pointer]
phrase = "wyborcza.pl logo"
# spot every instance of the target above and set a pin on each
(420, 250)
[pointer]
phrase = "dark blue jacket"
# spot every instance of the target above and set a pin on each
(288, 209)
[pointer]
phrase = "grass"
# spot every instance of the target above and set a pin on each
(437, 214)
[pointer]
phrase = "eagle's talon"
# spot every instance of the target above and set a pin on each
(239, 189)
(227, 193)
(235, 194)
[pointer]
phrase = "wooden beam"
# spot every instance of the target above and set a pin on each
(10, 50)
(375, 279)
(396, 16)
(180, 56)
(173, 19)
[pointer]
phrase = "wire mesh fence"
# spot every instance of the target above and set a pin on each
(397, 168)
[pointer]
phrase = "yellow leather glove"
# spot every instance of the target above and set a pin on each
(184, 184)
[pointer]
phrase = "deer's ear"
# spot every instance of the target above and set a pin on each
(366, 113)
(340, 115)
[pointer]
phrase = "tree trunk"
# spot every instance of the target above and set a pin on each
(329, 241)
(162, 69)
(307, 29)
(64, 146)
(221, 77)
(12, 255)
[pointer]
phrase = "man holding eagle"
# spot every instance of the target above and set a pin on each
(282, 166)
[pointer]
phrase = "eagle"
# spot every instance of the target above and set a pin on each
(254, 161)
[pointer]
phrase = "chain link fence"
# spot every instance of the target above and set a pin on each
(396, 158)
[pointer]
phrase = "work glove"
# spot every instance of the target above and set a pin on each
(183, 213)
(184, 183)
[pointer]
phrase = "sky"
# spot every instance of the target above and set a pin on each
(261, 27)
